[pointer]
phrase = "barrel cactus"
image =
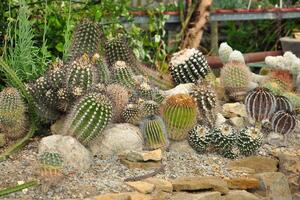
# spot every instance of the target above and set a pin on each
(179, 113)
(132, 114)
(149, 108)
(294, 98)
(188, 66)
(230, 153)
(154, 131)
(223, 137)
(50, 163)
(283, 103)
(235, 78)
(284, 122)
(123, 75)
(198, 138)
(13, 119)
(89, 117)
(260, 104)
(249, 140)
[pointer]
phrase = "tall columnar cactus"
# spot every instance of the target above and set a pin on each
(123, 74)
(50, 163)
(294, 98)
(149, 108)
(13, 120)
(284, 122)
(283, 103)
(89, 117)
(119, 97)
(188, 66)
(223, 137)
(132, 114)
(260, 104)
(249, 140)
(154, 131)
(198, 138)
(118, 49)
(86, 39)
(235, 78)
(206, 99)
(81, 75)
(179, 113)
(103, 71)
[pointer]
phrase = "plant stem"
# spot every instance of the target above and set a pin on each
(18, 188)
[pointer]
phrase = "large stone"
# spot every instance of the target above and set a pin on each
(234, 110)
(258, 163)
(75, 155)
(274, 185)
(239, 195)
(57, 127)
(139, 165)
(275, 139)
(142, 187)
(199, 196)
(111, 196)
(238, 122)
(138, 156)
(161, 184)
(200, 183)
(242, 183)
(2, 140)
(116, 139)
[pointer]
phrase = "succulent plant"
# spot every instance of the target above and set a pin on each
(294, 98)
(274, 87)
(249, 140)
(224, 52)
(283, 77)
(149, 108)
(198, 138)
(123, 75)
(284, 122)
(235, 78)
(223, 137)
(283, 103)
(188, 66)
(50, 163)
(13, 119)
(230, 153)
(103, 71)
(86, 39)
(236, 56)
(179, 113)
(89, 117)
(55, 76)
(145, 91)
(157, 95)
(260, 104)
(118, 49)
(132, 114)
(154, 132)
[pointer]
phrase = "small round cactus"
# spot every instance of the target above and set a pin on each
(223, 137)
(149, 108)
(294, 98)
(188, 66)
(249, 140)
(198, 138)
(132, 114)
(284, 122)
(154, 131)
(89, 117)
(145, 91)
(260, 104)
(230, 153)
(235, 78)
(283, 103)
(123, 74)
(179, 112)
(50, 163)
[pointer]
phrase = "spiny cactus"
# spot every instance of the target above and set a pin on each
(260, 104)
(13, 120)
(224, 52)
(223, 137)
(230, 153)
(56, 75)
(188, 66)
(118, 49)
(283, 103)
(157, 95)
(154, 131)
(283, 77)
(179, 113)
(249, 140)
(274, 87)
(81, 75)
(132, 114)
(123, 75)
(89, 117)
(149, 108)
(294, 98)
(198, 138)
(103, 71)
(145, 91)
(235, 78)
(50, 163)
(284, 122)
(86, 39)
(119, 97)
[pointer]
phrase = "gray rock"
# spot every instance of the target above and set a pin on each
(116, 139)
(275, 139)
(239, 195)
(75, 155)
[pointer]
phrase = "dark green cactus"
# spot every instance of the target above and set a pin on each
(188, 66)
(103, 71)
(50, 163)
(249, 140)
(223, 137)
(132, 114)
(230, 153)
(123, 75)
(145, 91)
(89, 117)
(154, 132)
(198, 138)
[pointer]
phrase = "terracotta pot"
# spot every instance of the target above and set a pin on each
(288, 9)
(138, 13)
(242, 10)
(224, 11)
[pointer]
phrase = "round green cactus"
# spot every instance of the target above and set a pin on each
(149, 108)
(198, 138)
(249, 140)
(51, 163)
(123, 75)
(179, 113)
(89, 117)
(223, 137)
(132, 114)
(154, 131)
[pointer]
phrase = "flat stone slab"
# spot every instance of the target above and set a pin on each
(199, 196)
(242, 183)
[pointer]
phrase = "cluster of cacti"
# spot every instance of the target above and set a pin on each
(249, 140)
(179, 113)
(198, 138)
(50, 163)
(188, 66)
(235, 78)
(123, 75)
(86, 39)
(13, 119)
(154, 132)
(283, 122)
(89, 117)
(260, 104)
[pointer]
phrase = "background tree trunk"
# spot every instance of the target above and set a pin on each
(194, 31)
